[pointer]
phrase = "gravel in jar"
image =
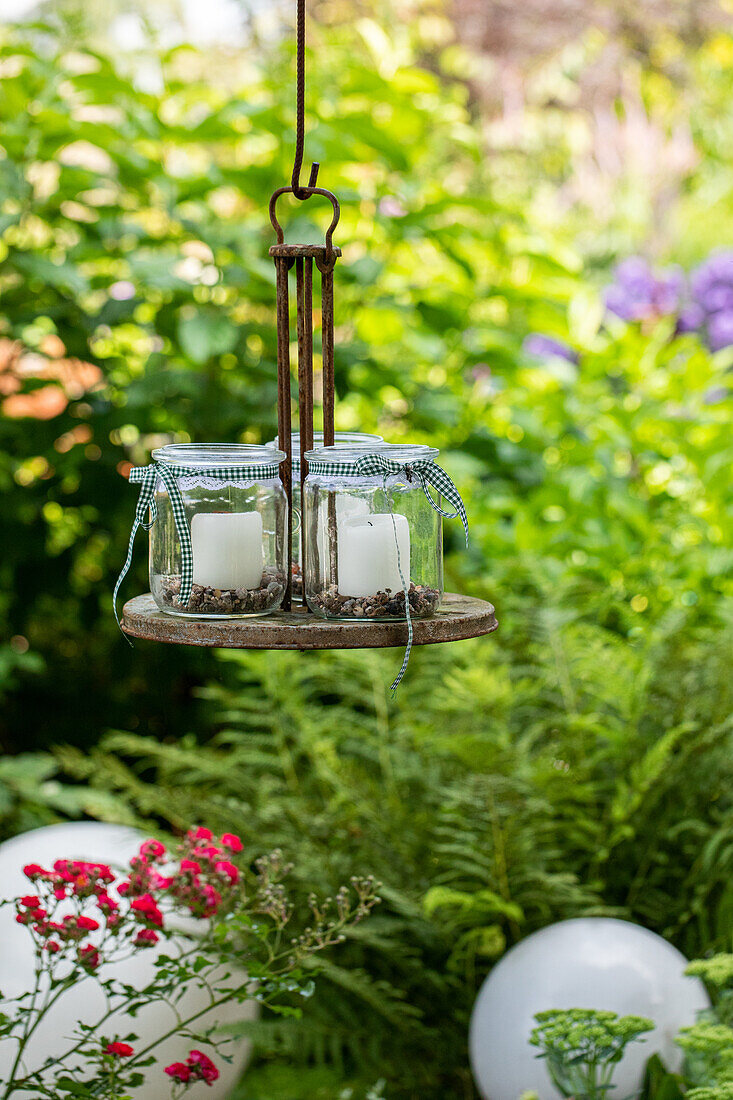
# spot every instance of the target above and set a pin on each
(225, 601)
(383, 605)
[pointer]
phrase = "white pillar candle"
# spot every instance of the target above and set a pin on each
(367, 554)
(227, 549)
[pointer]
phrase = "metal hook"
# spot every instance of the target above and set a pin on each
(308, 192)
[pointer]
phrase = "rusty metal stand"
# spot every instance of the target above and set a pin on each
(302, 257)
(459, 617)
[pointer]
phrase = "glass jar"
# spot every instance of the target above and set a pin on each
(368, 536)
(237, 526)
(342, 439)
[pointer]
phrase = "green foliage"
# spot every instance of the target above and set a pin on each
(715, 1092)
(582, 1047)
(708, 1048)
(506, 788)
(659, 1083)
(579, 761)
(708, 1044)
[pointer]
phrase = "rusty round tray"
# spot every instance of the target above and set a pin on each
(458, 617)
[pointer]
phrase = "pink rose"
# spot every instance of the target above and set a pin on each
(228, 870)
(147, 908)
(34, 870)
(190, 866)
(123, 1050)
(89, 957)
(152, 849)
(179, 1071)
(203, 1064)
(146, 937)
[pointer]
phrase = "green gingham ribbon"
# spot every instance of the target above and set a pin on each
(429, 475)
(169, 472)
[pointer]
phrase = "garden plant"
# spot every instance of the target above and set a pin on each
(85, 921)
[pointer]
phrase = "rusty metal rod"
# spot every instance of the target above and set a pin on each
(326, 266)
(327, 343)
(304, 291)
(284, 425)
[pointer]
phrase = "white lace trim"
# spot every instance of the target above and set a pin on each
(204, 482)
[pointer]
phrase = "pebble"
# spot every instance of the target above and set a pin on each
(424, 602)
(226, 601)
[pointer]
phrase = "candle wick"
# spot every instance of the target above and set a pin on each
(369, 522)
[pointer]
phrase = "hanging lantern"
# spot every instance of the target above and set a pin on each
(340, 550)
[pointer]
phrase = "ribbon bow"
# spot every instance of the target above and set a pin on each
(168, 472)
(427, 472)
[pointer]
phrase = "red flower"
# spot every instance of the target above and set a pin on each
(209, 851)
(25, 918)
(34, 870)
(200, 834)
(211, 901)
(99, 871)
(84, 878)
(148, 910)
(53, 947)
(87, 923)
(89, 957)
(123, 1050)
(179, 1071)
(146, 937)
(160, 882)
(70, 929)
(228, 870)
(203, 1065)
(30, 901)
(190, 865)
(197, 1067)
(107, 904)
(232, 842)
(60, 893)
(152, 849)
(62, 867)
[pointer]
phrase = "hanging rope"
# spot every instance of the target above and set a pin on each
(298, 191)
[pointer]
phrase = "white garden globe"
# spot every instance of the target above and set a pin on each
(591, 962)
(114, 845)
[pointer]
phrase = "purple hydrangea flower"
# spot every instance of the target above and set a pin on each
(712, 291)
(713, 281)
(720, 331)
(638, 292)
(539, 346)
(691, 318)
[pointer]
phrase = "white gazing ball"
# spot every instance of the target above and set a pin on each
(114, 845)
(591, 962)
